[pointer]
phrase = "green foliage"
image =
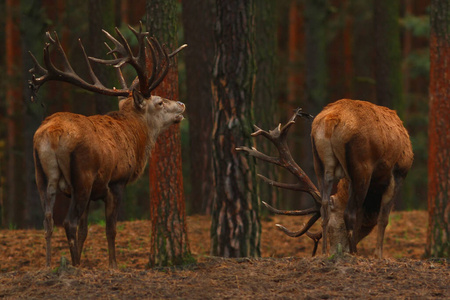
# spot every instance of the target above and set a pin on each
(418, 25)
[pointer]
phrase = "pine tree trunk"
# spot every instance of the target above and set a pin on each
(388, 74)
(169, 242)
(236, 228)
(199, 35)
(14, 192)
(266, 112)
(32, 35)
(438, 244)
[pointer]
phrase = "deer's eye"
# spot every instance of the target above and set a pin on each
(160, 104)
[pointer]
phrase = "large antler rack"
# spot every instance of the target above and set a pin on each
(160, 62)
(278, 137)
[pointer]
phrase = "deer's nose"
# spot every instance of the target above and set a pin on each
(180, 103)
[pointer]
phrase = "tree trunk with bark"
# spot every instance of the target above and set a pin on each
(169, 241)
(14, 192)
(438, 244)
(236, 228)
(32, 34)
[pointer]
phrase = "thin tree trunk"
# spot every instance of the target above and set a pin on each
(266, 112)
(388, 74)
(438, 244)
(13, 208)
(169, 241)
(199, 57)
(236, 228)
(32, 34)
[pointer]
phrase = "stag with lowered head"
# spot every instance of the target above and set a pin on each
(95, 157)
(361, 150)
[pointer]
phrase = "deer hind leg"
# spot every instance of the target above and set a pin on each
(112, 202)
(354, 213)
(78, 205)
(387, 202)
(47, 186)
(82, 231)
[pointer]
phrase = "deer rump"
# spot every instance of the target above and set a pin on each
(367, 150)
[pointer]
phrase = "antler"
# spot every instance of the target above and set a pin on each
(122, 49)
(278, 137)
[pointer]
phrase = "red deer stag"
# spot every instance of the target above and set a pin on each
(92, 158)
(366, 151)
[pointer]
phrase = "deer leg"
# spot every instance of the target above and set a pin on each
(78, 205)
(82, 231)
(49, 197)
(354, 211)
(387, 202)
(112, 202)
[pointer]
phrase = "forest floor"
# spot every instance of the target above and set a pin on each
(286, 269)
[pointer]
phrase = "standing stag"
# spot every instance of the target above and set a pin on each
(361, 149)
(92, 158)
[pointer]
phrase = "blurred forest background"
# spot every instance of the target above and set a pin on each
(306, 54)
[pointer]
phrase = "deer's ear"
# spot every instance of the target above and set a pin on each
(138, 100)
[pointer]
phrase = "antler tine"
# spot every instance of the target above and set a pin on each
(161, 72)
(177, 50)
(90, 70)
(305, 228)
(122, 81)
(309, 211)
(140, 36)
(59, 48)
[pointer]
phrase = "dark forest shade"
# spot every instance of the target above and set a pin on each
(199, 56)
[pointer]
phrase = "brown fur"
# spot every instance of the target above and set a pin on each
(91, 158)
(366, 148)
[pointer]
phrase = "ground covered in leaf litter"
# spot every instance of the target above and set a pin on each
(286, 269)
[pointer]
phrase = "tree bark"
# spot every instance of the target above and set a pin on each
(14, 192)
(438, 234)
(266, 112)
(32, 33)
(235, 228)
(388, 74)
(169, 241)
(199, 35)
